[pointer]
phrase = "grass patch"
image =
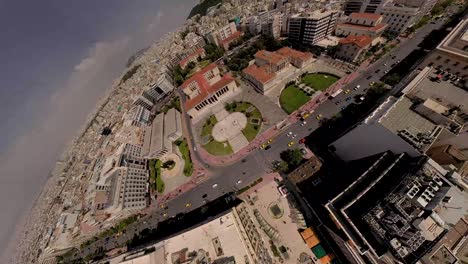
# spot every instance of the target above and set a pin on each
(208, 126)
(319, 81)
(251, 130)
(184, 150)
(218, 148)
(292, 98)
(156, 182)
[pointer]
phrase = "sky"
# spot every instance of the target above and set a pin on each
(58, 58)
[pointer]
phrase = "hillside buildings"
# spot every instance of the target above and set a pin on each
(362, 24)
(310, 28)
(207, 88)
(451, 54)
(268, 64)
(159, 89)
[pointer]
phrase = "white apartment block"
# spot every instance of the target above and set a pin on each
(398, 17)
(143, 101)
(159, 89)
(310, 28)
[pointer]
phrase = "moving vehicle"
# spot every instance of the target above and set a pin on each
(291, 143)
(214, 186)
(319, 116)
(337, 92)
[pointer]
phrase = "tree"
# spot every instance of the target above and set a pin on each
(292, 157)
(392, 79)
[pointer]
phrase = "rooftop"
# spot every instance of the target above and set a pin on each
(259, 73)
(288, 52)
(314, 15)
(457, 40)
(400, 116)
(196, 53)
(365, 16)
(232, 37)
(376, 28)
(205, 88)
(269, 56)
(360, 41)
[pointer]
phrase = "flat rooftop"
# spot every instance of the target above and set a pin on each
(400, 116)
(443, 92)
(277, 212)
(222, 229)
(456, 41)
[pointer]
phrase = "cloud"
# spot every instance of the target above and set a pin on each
(155, 21)
(26, 163)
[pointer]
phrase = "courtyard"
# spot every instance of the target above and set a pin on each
(231, 128)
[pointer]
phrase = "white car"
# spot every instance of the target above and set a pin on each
(214, 185)
(303, 123)
(238, 182)
(290, 133)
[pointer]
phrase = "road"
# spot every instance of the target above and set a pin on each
(258, 162)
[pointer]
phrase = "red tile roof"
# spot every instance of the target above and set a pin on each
(205, 88)
(361, 41)
(374, 28)
(232, 37)
(259, 73)
(270, 57)
(196, 53)
(288, 52)
(365, 16)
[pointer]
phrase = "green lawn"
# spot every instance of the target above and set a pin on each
(319, 81)
(156, 182)
(208, 126)
(251, 130)
(184, 150)
(292, 98)
(218, 148)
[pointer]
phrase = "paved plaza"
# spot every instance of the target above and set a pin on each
(229, 129)
(174, 177)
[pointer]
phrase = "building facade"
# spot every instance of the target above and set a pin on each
(267, 65)
(207, 88)
(310, 28)
(363, 6)
(399, 17)
(362, 24)
(352, 47)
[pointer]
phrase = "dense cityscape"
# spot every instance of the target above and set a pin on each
(273, 131)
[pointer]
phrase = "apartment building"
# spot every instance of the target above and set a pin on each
(224, 36)
(192, 57)
(310, 28)
(399, 17)
(159, 89)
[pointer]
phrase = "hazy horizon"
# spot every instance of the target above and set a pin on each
(60, 58)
